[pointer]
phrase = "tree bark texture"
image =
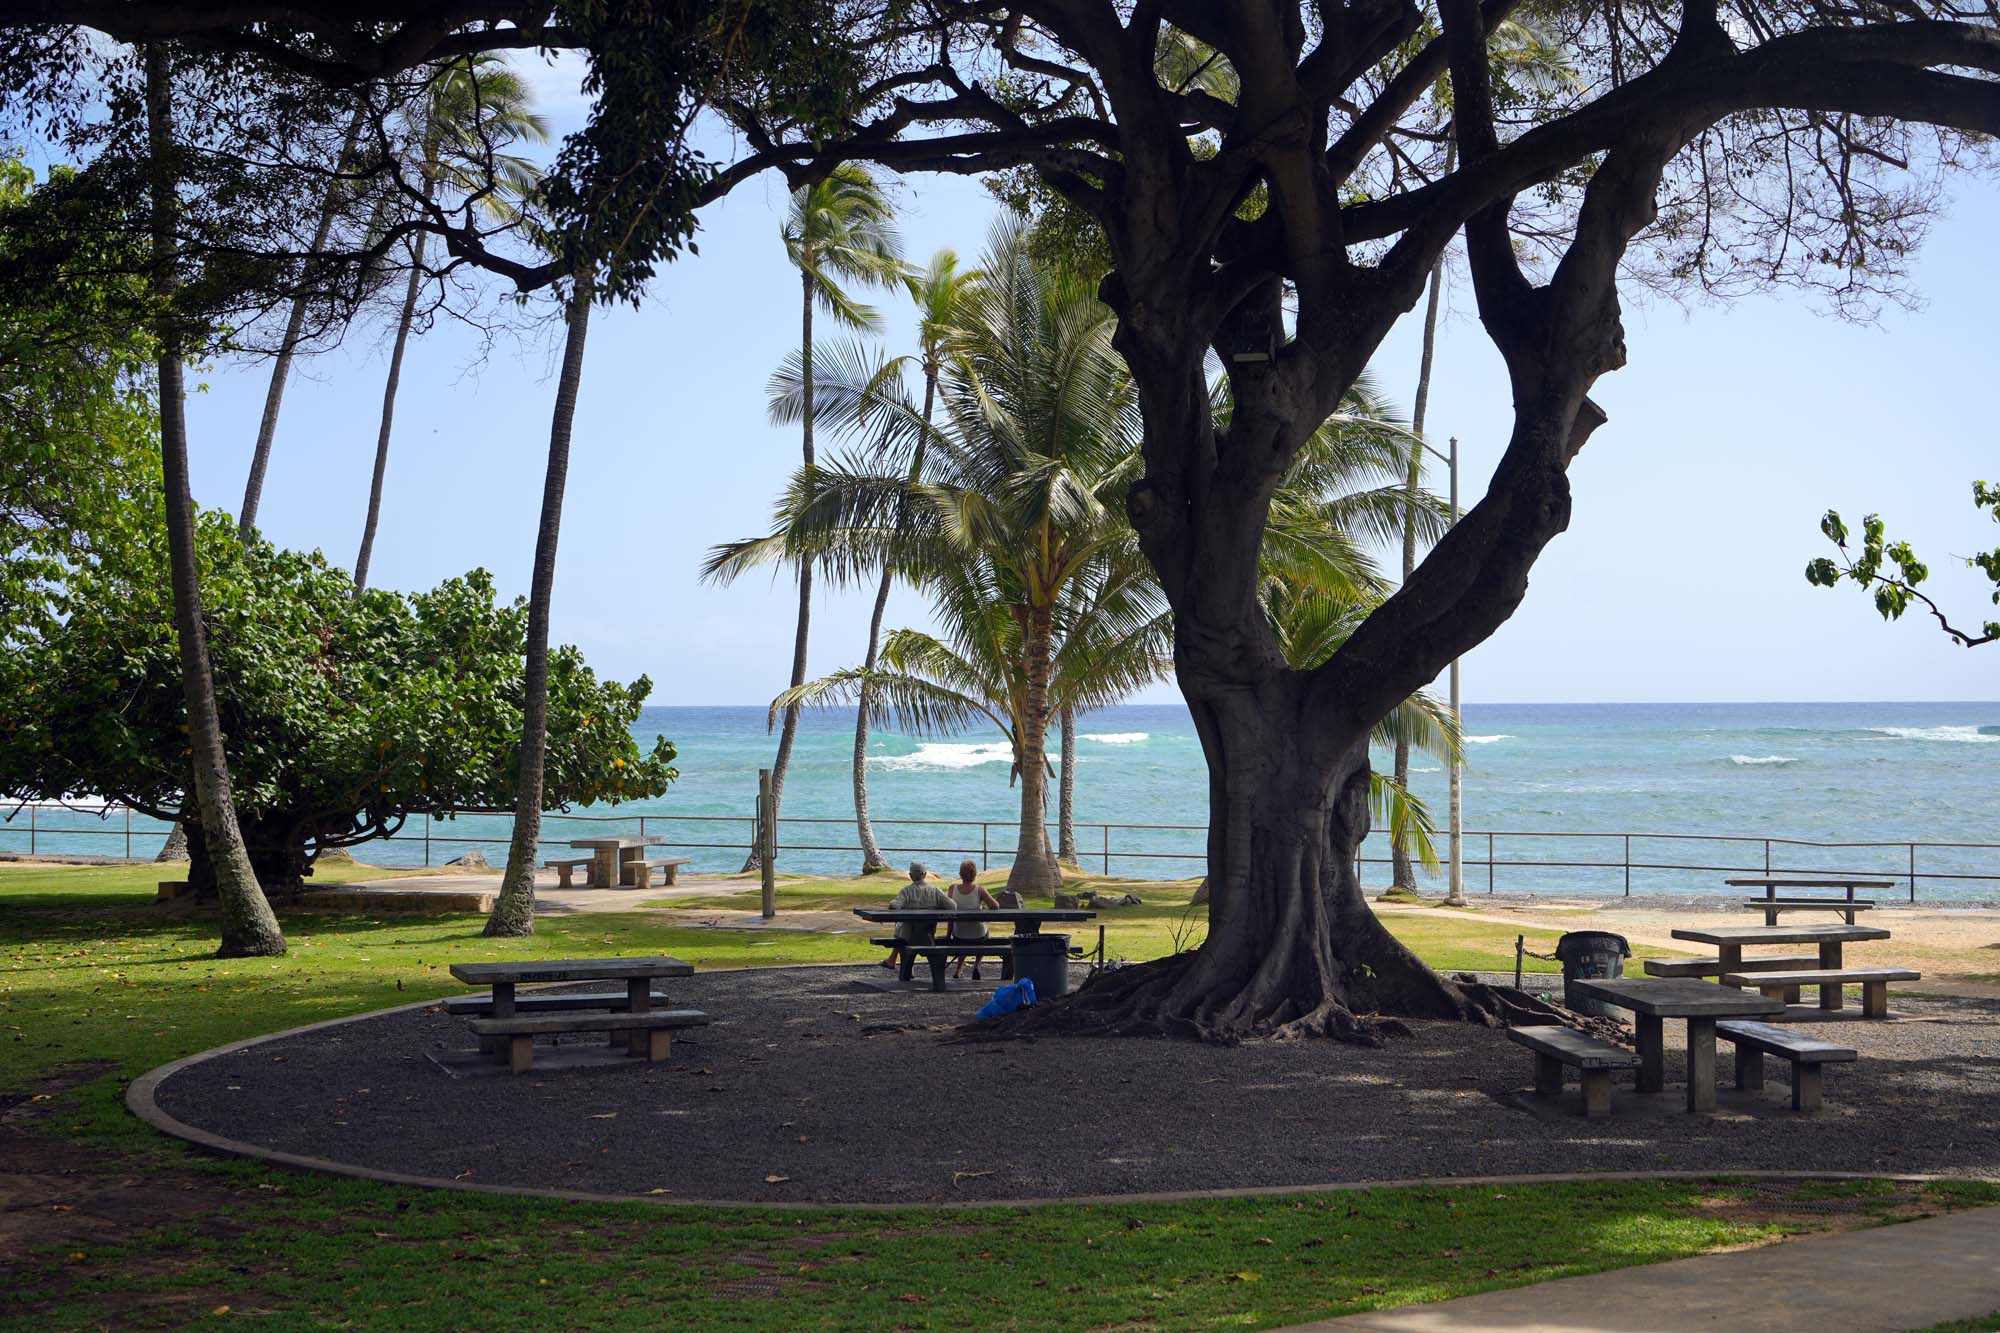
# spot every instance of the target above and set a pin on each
(1034, 872)
(175, 848)
(249, 928)
(1066, 792)
(395, 379)
(281, 369)
(514, 910)
(789, 730)
(278, 856)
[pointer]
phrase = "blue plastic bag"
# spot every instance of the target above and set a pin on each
(1014, 995)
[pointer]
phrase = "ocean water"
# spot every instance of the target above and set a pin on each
(1849, 773)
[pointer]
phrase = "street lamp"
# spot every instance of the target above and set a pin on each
(1455, 885)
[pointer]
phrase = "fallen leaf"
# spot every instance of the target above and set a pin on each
(660, 1190)
(775, 1180)
(605, 1115)
(1244, 1277)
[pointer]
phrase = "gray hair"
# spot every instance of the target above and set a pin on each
(918, 872)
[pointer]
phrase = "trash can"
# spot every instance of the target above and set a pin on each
(1587, 954)
(1044, 960)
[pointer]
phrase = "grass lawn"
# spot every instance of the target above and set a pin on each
(97, 984)
(1446, 940)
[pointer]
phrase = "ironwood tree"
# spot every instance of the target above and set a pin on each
(1285, 230)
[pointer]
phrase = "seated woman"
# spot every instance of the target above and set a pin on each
(919, 895)
(968, 896)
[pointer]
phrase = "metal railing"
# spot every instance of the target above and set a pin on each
(1592, 862)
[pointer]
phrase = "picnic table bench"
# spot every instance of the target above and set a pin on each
(518, 1021)
(566, 867)
(1788, 894)
(1701, 1003)
(1831, 939)
(1806, 1055)
(1832, 982)
(1556, 1047)
(641, 871)
(923, 923)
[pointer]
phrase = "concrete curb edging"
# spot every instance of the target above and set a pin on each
(141, 1101)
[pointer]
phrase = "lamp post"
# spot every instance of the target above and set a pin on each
(1455, 885)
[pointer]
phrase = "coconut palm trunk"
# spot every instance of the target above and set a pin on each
(1034, 871)
(1066, 792)
(249, 927)
(410, 293)
(790, 729)
(514, 910)
(1404, 874)
(871, 855)
(281, 369)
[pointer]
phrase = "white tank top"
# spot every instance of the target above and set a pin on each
(965, 898)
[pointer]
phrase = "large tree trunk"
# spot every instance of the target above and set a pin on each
(1034, 872)
(249, 928)
(277, 852)
(790, 730)
(1066, 792)
(409, 314)
(1292, 947)
(281, 369)
(871, 855)
(1405, 875)
(175, 848)
(514, 909)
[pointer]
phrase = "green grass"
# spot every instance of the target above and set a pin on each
(91, 970)
(1446, 940)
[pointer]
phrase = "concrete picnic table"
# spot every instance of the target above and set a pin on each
(1830, 937)
(610, 855)
(1773, 903)
(638, 974)
(1701, 1003)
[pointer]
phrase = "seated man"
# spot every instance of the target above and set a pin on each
(919, 895)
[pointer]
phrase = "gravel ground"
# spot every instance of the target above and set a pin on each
(809, 1087)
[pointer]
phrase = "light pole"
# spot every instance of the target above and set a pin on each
(1455, 885)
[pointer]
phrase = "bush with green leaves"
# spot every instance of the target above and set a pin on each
(343, 715)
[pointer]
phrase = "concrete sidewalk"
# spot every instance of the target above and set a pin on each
(1884, 1280)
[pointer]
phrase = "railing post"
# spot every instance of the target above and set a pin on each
(1913, 872)
(128, 837)
(984, 829)
(31, 828)
(1489, 863)
(1107, 851)
(1767, 856)
(1628, 865)
(427, 840)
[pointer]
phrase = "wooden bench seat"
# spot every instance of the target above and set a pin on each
(1772, 907)
(1555, 1046)
(521, 1030)
(1874, 983)
(941, 952)
(1754, 1041)
(481, 1006)
(1712, 967)
(566, 867)
(642, 871)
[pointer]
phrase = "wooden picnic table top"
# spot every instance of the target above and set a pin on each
(621, 842)
(1819, 933)
(1787, 882)
(1677, 997)
(570, 969)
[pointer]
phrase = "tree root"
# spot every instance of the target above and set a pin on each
(1135, 1001)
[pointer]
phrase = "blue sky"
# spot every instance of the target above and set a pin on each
(1731, 430)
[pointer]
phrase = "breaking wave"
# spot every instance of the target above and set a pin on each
(1760, 760)
(1962, 735)
(1113, 737)
(946, 756)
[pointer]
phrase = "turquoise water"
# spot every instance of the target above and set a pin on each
(1854, 772)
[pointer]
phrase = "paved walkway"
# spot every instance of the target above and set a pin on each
(1885, 1280)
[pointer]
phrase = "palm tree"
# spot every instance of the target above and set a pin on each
(338, 193)
(249, 927)
(837, 230)
(475, 106)
(1020, 494)
(514, 908)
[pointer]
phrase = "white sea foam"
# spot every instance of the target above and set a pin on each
(1963, 735)
(1485, 740)
(944, 756)
(1432, 769)
(1113, 737)
(1762, 759)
